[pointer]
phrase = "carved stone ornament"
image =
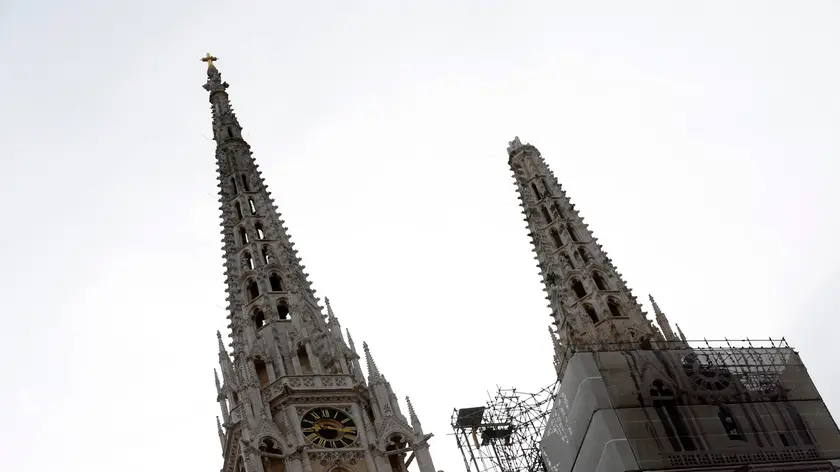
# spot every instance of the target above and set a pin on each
(337, 457)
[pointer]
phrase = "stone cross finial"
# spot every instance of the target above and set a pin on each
(209, 60)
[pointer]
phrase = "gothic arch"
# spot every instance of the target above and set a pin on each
(391, 429)
(615, 307)
(339, 468)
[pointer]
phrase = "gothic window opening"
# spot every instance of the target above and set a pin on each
(555, 207)
(584, 256)
(238, 210)
(799, 426)
(245, 185)
(546, 215)
(536, 192)
(555, 236)
(283, 310)
(248, 260)
(670, 417)
(276, 283)
(572, 233)
(591, 313)
(614, 307)
(243, 236)
(259, 319)
(545, 187)
(730, 425)
(252, 206)
(599, 281)
(303, 358)
(577, 287)
(233, 185)
(253, 290)
(230, 132)
(268, 445)
(568, 260)
(262, 372)
(395, 459)
(260, 232)
(266, 255)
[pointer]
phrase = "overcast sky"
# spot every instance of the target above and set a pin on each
(698, 139)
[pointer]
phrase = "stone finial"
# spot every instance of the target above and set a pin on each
(222, 349)
(412, 415)
(656, 309)
(218, 384)
(514, 145)
(679, 331)
(373, 371)
(352, 344)
(330, 314)
(221, 433)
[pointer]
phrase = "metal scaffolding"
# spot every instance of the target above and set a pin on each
(504, 435)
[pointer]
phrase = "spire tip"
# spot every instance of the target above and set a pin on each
(210, 59)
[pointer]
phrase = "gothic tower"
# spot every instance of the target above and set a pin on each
(588, 298)
(292, 394)
(634, 396)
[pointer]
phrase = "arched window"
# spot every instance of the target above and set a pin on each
(245, 185)
(262, 371)
(260, 232)
(252, 206)
(276, 283)
(555, 207)
(572, 233)
(233, 186)
(266, 255)
(303, 358)
(247, 260)
(555, 236)
(599, 281)
(238, 210)
(591, 313)
(669, 415)
(583, 255)
(577, 287)
(568, 260)
(253, 290)
(536, 191)
(546, 187)
(259, 319)
(614, 307)
(283, 310)
(243, 236)
(546, 215)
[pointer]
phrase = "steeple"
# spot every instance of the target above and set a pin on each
(290, 368)
(589, 300)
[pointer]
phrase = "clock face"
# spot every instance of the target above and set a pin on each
(329, 427)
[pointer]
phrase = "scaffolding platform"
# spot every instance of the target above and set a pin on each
(504, 435)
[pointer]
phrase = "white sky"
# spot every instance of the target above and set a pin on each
(698, 139)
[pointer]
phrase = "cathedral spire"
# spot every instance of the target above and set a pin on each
(283, 347)
(588, 298)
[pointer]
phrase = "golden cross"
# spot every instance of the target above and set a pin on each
(209, 60)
